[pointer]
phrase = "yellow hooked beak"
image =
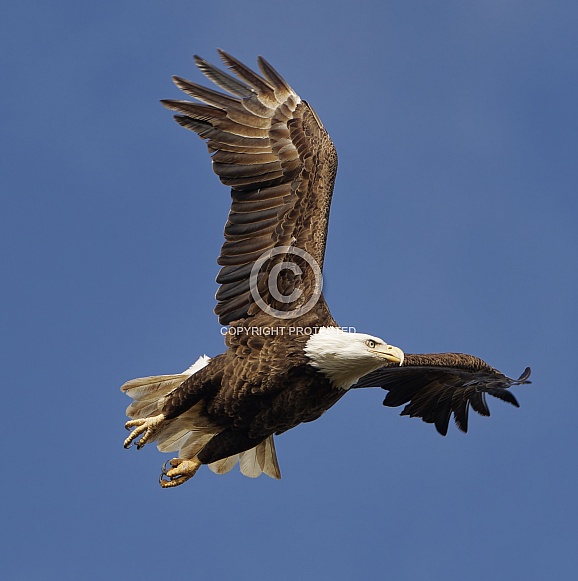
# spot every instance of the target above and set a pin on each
(389, 353)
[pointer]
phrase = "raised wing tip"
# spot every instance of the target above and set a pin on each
(261, 60)
(442, 428)
(524, 377)
(169, 104)
(225, 56)
(200, 62)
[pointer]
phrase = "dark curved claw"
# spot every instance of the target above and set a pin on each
(164, 472)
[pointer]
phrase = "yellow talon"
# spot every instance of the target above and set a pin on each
(146, 426)
(181, 471)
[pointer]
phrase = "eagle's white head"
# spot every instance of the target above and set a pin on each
(346, 357)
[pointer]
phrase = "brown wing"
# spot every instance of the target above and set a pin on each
(436, 385)
(271, 148)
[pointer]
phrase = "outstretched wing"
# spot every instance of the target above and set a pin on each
(436, 385)
(272, 149)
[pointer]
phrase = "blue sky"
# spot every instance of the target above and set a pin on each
(453, 228)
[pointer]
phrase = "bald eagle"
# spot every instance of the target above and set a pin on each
(287, 360)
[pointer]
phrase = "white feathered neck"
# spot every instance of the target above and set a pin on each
(342, 357)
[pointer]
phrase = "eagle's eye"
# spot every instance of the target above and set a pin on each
(370, 343)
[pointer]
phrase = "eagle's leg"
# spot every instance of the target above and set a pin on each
(181, 471)
(148, 427)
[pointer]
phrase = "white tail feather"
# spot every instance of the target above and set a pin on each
(174, 436)
(194, 444)
(177, 431)
(225, 465)
(270, 465)
(148, 392)
(261, 459)
(148, 388)
(143, 409)
(249, 462)
(201, 362)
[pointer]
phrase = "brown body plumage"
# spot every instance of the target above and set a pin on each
(255, 389)
(271, 148)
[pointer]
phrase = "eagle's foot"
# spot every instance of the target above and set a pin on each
(181, 471)
(148, 427)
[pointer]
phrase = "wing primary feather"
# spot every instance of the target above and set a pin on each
(433, 393)
(460, 408)
(274, 77)
(478, 403)
(246, 74)
(223, 79)
(205, 94)
(504, 395)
